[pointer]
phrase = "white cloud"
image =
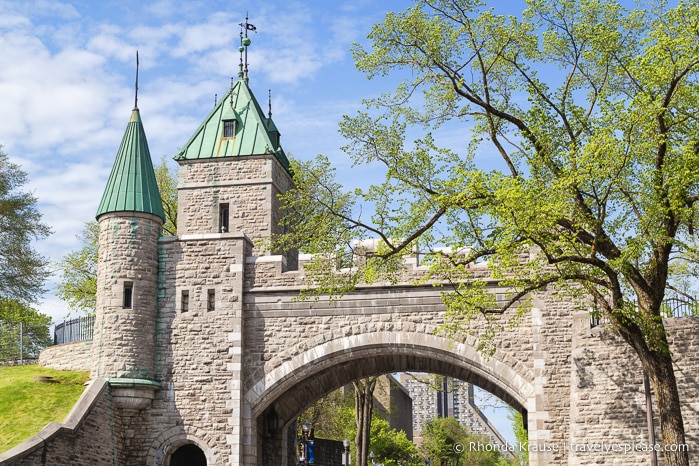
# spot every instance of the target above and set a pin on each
(10, 21)
(67, 86)
(218, 30)
(54, 9)
(40, 8)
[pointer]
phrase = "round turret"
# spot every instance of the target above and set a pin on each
(130, 217)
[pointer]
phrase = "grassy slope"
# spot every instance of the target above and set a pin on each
(26, 406)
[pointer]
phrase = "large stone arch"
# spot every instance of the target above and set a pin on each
(296, 383)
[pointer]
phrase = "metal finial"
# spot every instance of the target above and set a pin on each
(135, 103)
(240, 49)
(269, 115)
(244, 43)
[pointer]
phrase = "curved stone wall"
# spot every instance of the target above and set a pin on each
(67, 357)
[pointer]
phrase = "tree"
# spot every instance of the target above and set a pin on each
(22, 270)
(78, 268)
(166, 179)
(392, 447)
(332, 416)
(521, 435)
(78, 285)
(591, 110)
(447, 443)
(363, 413)
(23, 330)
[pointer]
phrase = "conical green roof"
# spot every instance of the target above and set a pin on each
(235, 127)
(132, 186)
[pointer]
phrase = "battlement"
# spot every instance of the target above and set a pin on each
(272, 271)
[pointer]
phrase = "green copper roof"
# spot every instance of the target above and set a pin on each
(235, 127)
(132, 186)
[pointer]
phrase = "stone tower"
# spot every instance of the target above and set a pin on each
(130, 217)
(232, 170)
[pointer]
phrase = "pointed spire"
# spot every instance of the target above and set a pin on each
(132, 186)
(135, 101)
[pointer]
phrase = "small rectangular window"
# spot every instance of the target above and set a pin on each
(184, 301)
(223, 214)
(128, 295)
(211, 301)
(229, 128)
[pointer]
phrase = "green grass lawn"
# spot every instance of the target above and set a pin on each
(27, 406)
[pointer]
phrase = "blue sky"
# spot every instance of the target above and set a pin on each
(67, 86)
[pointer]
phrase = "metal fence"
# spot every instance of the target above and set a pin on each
(16, 346)
(78, 329)
(676, 306)
(10, 344)
(680, 307)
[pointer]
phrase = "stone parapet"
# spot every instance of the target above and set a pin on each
(67, 357)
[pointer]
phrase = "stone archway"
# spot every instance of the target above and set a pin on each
(178, 446)
(290, 387)
(187, 455)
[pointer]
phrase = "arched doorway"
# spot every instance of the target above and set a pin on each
(290, 387)
(188, 455)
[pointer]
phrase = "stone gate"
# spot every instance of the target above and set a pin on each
(203, 355)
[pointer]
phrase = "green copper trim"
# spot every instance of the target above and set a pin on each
(132, 186)
(118, 382)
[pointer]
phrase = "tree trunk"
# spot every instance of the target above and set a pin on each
(363, 409)
(658, 366)
(656, 360)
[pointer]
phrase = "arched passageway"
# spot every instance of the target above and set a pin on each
(289, 388)
(188, 455)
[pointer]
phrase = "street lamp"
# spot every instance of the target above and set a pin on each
(346, 453)
(306, 453)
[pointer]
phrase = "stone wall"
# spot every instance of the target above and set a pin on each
(249, 185)
(222, 369)
(198, 352)
(67, 357)
(379, 329)
(608, 407)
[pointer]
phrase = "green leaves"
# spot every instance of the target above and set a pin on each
(167, 185)
(445, 441)
(22, 270)
(591, 109)
(22, 324)
(574, 164)
(78, 285)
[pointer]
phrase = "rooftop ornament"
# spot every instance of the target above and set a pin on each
(243, 49)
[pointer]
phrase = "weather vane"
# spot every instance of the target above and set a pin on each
(244, 43)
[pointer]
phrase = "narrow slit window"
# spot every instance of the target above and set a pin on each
(229, 128)
(184, 301)
(223, 215)
(211, 301)
(128, 295)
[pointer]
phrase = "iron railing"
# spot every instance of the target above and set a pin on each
(79, 329)
(672, 307)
